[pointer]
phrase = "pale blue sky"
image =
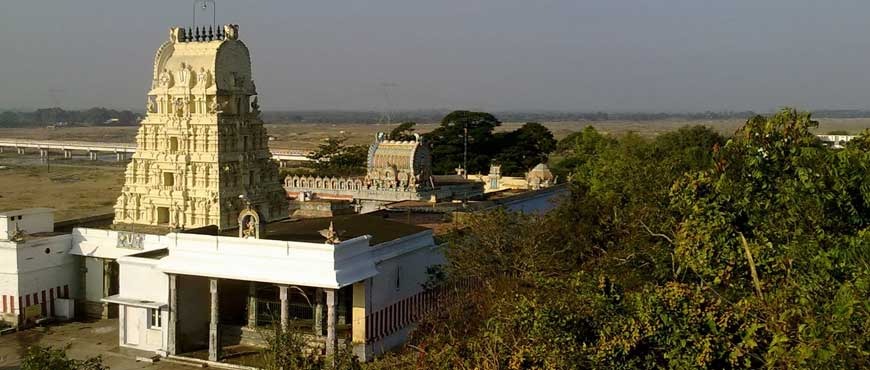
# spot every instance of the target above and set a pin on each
(572, 55)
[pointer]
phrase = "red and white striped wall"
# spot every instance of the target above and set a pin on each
(44, 298)
(397, 316)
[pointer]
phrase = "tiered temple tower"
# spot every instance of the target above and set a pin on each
(202, 144)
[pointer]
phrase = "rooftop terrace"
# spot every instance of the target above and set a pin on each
(308, 230)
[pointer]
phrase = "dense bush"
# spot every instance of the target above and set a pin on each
(42, 358)
(685, 251)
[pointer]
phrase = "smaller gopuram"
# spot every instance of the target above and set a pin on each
(202, 146)
(399, 165)
(395, 171)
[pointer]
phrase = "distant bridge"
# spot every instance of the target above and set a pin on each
(121, 150)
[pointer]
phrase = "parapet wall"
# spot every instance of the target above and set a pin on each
(356, 188)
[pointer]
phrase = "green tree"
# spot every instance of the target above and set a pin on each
(448, 141)
(680, 252)
(578, 152)
(334, 158)
(781, 226)
(288, 349)
(523, 148)
(403, 132)
(42, 358)
(861, 142)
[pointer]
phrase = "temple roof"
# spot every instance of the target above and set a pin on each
(392, 160)
(308, 230)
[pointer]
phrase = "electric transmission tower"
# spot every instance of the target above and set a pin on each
(386, 110)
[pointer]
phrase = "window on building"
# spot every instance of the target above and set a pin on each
(155, 320)
(173, 144)
(162, 215)
(398, 277)
(168, 179)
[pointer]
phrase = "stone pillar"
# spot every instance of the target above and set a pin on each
(20, 150)
(361, 308)
(67, 153)
(252, 304)
(358, 313)
(1, 149)
(92, 155)
(214, 338)
(82, 304)
(43, 153)
(107, 284)
(122, 324)
(172, 323)
(285, 307)
(119, 156)
(318, 312)
(331, 339)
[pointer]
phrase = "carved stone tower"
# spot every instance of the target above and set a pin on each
(202, 144)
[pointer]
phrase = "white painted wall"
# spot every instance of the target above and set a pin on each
(140, 278)
(98, 244)
(45, 263)
(407, 260)
(105, 243)
(408, 263)
(34, 266)
(271, 261)
(9, 280)
(30, 221)
(93, 279)
(139, 333)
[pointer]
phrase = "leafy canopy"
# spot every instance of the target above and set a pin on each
(334, 158)
(448, 141)
(523, 148)
(403, 132)
(685, 251)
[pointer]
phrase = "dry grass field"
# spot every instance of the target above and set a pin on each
(79, 188)
(308, 135)
(73, 188)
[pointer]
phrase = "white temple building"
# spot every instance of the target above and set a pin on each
(179, 286)
(201, 253)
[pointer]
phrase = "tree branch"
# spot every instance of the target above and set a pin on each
(751, 266)
(660, 235)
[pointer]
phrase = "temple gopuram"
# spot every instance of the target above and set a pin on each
(396, 171)
(202, 144)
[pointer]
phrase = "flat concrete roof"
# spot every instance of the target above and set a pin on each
(135, 302)
(308, 230)
(24, 211)
(154, 255)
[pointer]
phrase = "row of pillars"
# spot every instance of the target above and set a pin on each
(284, 296)
(67, 153)
(214, 347)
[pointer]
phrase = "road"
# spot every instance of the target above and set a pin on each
(84, 339)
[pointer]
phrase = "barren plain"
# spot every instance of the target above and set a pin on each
(79, 188)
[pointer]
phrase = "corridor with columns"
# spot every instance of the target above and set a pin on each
(212, 313)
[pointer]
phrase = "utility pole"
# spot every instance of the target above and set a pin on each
(465, 150)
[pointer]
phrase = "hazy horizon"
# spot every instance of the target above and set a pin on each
(494, 55)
